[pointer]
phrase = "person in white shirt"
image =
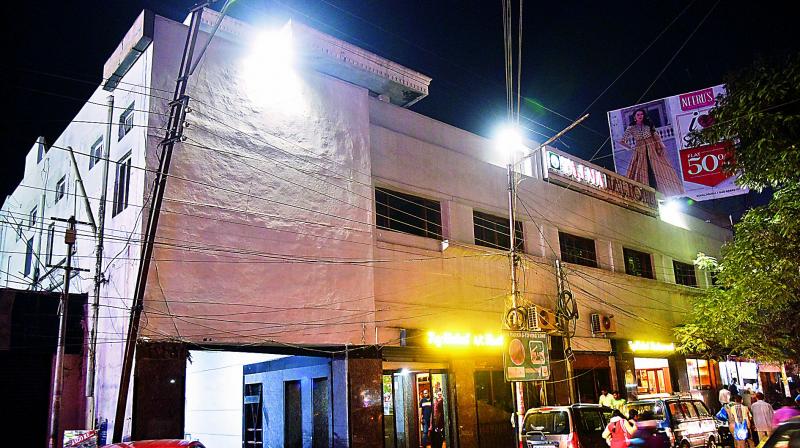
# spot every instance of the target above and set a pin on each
(762, 416)
(724, 396)
(606, 399)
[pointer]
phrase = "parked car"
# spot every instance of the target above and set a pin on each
(686, 421)
(574, 426)
(164, 443)
(786, 435)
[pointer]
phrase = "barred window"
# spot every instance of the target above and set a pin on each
(637, 263)
(407, 213)
(577, 250)
(684, 273)
(492, 231)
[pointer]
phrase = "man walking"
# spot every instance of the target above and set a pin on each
(762, 416)
(724, 396)
(739, 423)
(425, 405)
(606, 399)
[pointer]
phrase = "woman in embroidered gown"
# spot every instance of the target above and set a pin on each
(649, 164)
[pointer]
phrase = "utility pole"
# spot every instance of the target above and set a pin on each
(177, 114)
(98, 272)
(565, 313)
(55, 439)
(516, 320)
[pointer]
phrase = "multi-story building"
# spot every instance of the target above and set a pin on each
(310, 213)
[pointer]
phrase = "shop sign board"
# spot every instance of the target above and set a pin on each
(526, 357)
(697, 169)
(579, 175)
(80, 438)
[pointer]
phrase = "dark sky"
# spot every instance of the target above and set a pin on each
(572, 51)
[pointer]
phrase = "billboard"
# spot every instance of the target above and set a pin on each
(525, 356)
(650, 144)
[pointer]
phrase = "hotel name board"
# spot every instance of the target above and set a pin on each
(603, 184)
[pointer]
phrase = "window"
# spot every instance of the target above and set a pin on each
(96, 153)
(29, 257)
(320, 408)
(492, 389)
(122, 184)
(61, 188)
(684, 273)
(548, 422)
(675, 411)
(125, 122)
(688, 409)
(32, 217)
(51, 237)
(578, 250)
(492, 231)
(407, 213)
(292, 415)
(699, 377)
(637, 263)
(702, 410)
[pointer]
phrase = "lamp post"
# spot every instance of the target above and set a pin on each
(510, 141)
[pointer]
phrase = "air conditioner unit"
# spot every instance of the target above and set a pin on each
(602, 324)
(541, 319)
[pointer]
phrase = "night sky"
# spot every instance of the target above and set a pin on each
(572, 51)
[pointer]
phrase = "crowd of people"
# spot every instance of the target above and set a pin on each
(750, 422)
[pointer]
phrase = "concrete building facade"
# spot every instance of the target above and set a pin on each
(313, 214)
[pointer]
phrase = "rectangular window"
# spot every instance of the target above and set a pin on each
(637, 263)
(406, 213)
(578, 250)
(698, 372)
(61, 188)
(125, 122)
(32, 217)
(684, 273)
(492, 231)
(292, 415)
(29, 257)
(96, 153)
(51, 239)
(321, 429)
(122, 184)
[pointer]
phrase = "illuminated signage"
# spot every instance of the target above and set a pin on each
(648, 346)
(558, 166)
(464, 340)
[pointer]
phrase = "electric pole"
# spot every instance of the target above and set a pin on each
(565, 313)
(55, 439)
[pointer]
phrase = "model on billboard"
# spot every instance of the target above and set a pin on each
(649, 164)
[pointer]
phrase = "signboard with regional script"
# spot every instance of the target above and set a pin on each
(525, 357)
(668, 161)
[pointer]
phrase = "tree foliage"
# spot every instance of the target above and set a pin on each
(754, 308)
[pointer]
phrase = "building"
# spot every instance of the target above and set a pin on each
(311, 216)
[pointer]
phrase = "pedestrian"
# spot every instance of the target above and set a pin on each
(618, 432)
(425, 405)
(618, 403)
(724, 396)
(786, 412)
(606, 398)
(762, 417)
(647, 434)
(436, 431)
(732, 387)
(747, 396)
(739, 422)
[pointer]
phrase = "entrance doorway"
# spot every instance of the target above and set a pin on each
(416, 409)
(652, 376)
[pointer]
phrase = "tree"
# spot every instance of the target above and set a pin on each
(752, 310)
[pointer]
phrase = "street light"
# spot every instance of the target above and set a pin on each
(268, 69)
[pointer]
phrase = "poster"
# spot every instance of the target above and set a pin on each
(667, 161)
(80, 438)
(526, 357)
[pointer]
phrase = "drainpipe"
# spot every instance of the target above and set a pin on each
(98, 272)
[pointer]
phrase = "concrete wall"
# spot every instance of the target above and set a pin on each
(214, 396)
(273, 379)
(263, 198)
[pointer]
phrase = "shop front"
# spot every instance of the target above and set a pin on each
(646, 368)
(450, 387)
(592, 368)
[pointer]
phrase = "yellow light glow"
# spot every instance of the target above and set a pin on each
(649, 346)
(464, 340)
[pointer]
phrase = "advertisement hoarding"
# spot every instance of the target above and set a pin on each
(665, 159)
(525, 357)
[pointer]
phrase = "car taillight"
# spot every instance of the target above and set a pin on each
(521, 444)
(572, 441)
